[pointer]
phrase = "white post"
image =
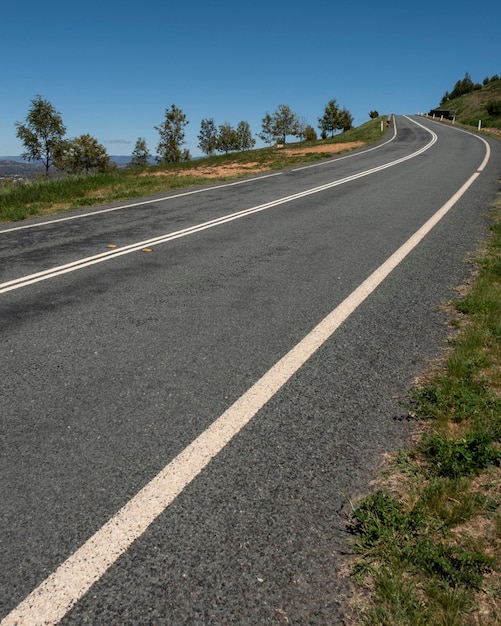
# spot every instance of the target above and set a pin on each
(382, 126)
(479, 124)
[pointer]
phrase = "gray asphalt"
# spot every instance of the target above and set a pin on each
(110, 371)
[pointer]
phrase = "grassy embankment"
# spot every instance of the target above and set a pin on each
(43, 197)
(471, 108)
(429, 540)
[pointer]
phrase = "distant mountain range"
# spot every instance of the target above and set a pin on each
(17, 167)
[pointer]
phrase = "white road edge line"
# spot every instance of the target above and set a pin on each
(136, 204)
(186, 193)
(58, 593)
(348, 156)
(24, 281)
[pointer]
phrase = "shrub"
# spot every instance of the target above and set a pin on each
(494, 108)
(467, 456)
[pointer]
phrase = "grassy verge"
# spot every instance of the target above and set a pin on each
(428, 543)
(43, 197)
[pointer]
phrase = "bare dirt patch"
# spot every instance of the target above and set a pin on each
(213, 171)
(229, 169)
(240, 169)
(333, 148)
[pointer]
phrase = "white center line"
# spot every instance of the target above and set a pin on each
(31, 279)
(131, 205)
(58, 593)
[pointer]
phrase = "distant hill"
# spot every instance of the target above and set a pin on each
(480, 102)
(16, 167)
(18, 159)
(121, 160)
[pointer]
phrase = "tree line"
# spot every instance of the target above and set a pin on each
(43, 137)
(465, 86)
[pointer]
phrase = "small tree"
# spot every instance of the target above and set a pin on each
(306, 131)
(278, 126)
(42, 133)
(286, 122)
(267, 134)
(345, 120)
(245, 139)
(83, 153)
(140, 154)
(302, 124)
(373, 115)
(207, 137)
(329, 122)
(309, 133)
(171, 133)
(461, 88)
(227, 139)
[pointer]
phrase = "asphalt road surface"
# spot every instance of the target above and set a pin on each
(186, 417)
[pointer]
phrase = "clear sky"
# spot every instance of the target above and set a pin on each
(112, 68)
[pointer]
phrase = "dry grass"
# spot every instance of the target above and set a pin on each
(242, 169)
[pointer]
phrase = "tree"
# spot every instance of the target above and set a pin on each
(227, 139)
(373, 115)
(171, 132)
(461, 88)
(267, 133)
(140, 154)
(334, 119)
(329, 122)
(42, 133)
(244, 136)
(278, 126)
(285, 122)
(345, 120)
(82, 153)
(302, 124)
(207, 137)
(309, 133)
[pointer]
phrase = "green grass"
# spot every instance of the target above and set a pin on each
(471, 108)
(42, 196)
(429, 547)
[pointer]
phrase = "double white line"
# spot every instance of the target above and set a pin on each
(31, 279)
(57, 594)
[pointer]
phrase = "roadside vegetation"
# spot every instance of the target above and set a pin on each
(428, 540)
(45, 196)
(473, 102)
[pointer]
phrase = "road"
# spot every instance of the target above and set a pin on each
(187, 416)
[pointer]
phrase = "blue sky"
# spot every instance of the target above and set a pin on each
(112, 68)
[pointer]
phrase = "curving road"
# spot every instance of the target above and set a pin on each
(186, 416)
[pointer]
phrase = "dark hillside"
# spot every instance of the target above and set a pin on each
(483, 102)
(19, 169)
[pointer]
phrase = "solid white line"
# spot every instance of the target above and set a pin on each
(136, 204)
(31, 279)
(57, 594)
(187, 193)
